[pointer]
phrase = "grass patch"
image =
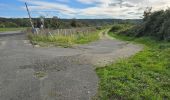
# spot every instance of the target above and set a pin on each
(40, 74)
(145, 76)
(11, 29)
(64, 41)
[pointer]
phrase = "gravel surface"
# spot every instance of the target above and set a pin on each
(30, 73)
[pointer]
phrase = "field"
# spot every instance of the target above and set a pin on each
(145, 76)
(10, 29)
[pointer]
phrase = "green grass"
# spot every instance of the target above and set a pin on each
(64, 41)
(11, 29)
(145, 76)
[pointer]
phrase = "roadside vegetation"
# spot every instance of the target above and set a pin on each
(145, 76)
(64, 41)
(156, 25)
(11, 29)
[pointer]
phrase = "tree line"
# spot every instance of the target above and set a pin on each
(56, 23)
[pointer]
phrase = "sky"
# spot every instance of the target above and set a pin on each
(81, 9)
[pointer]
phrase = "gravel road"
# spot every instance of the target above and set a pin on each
(42, 73)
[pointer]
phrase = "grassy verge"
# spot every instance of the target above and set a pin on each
(11, 29)
(145, 76)
(64, 41)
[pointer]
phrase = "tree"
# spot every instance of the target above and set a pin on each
(73, 23)
(147, 12)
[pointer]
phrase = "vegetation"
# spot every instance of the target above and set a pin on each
(40, 74)
(14, 22)
(64, 41)
(10, 29)
(143, 76)
(56, 22)
(156, 24)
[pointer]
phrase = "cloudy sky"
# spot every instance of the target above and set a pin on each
(124, 9)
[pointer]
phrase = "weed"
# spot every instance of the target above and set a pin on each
(40, 74)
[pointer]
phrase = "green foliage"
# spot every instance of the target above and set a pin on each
(155, 24)
(122, 29)
(165, 30)
(116, 27)
(152, 24)
(145, 76)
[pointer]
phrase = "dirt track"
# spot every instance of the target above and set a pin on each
(28, 73)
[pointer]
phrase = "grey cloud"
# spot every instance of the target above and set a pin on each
(128, 4)
(135, 13)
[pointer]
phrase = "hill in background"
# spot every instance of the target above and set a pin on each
(63, 23)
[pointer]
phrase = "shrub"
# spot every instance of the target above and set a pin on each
(157, 25)
(10, 24)
(2, 26)
(115, 28)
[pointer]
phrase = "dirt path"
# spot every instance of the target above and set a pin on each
(28, 73)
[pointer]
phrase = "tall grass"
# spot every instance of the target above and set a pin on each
(64, 40)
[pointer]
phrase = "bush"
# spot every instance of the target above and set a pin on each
(10, 24)
(2, 26)
(165, 30)
(115, 28)
(156, 24)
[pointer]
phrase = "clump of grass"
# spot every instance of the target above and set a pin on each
(143, 76)
(40, 74)
(64, 41)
